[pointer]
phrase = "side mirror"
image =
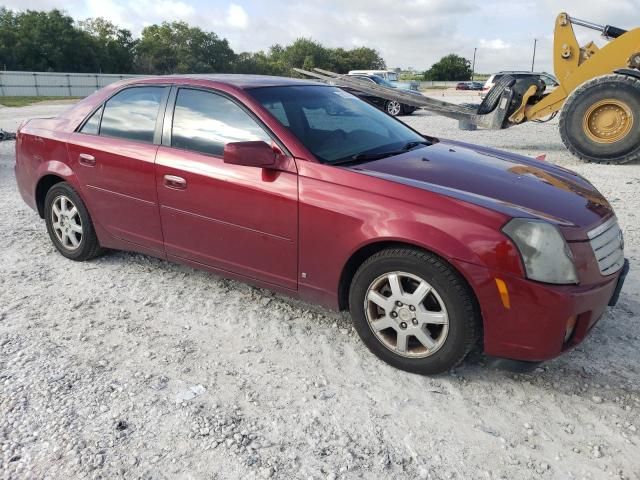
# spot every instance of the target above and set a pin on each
(250, 154)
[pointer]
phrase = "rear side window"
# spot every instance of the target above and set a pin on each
(206, 122)
(132, 114)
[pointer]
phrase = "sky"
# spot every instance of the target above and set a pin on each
(411, 33)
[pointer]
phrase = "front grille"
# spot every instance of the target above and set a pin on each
(608, 246)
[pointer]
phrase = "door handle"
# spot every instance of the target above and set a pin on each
(87, 160)
(171, 181)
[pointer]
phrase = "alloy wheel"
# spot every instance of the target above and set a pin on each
(406, 314)
(394, 108)
(66, 222)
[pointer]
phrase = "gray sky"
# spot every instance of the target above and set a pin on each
(412, 33)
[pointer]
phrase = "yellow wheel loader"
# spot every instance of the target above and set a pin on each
(598, 97)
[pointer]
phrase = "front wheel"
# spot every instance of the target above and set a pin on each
(393, 108)
(414, 311)
(600, 121)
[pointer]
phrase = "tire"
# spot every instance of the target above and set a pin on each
(448, 313)
(393, 108)
(69, 224)
(600, 121)
(491, 99)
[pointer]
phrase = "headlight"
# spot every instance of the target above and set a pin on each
(544, 251)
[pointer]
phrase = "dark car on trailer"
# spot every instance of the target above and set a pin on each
(392, 107)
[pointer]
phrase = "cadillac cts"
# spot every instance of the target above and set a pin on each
(303, 188)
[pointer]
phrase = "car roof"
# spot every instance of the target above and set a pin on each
(241, 81)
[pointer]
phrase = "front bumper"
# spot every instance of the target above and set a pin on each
(533, 328)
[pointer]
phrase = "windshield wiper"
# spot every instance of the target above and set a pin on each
(365, 157)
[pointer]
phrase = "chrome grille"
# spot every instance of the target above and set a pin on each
(608, 246)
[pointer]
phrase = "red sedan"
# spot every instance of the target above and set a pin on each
(300, 187)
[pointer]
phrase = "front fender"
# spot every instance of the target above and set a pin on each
(455, 240)
(339, 224)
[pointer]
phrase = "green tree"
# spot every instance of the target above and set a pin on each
(308, 54)
(178, 48)
(44, 41)
(364, 58)
(52, 41)
(114, 46)
(258, 63)
(450, 67)
(8, 39)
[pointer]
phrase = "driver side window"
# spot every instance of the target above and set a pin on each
(205, 122)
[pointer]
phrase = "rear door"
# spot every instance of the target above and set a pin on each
(113, 155)
(232, 217)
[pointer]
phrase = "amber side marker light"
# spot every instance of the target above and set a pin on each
(571, 325)
(504, 293)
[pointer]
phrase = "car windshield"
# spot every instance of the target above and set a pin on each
(336, 126)
(392, 77)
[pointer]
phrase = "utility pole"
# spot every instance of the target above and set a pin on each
(473, 68)
(533, 62)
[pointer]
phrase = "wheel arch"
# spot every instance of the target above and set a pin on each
(45, 184)
(48, 174)
(359, 256)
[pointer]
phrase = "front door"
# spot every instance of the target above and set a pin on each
(113, 156)
(234, 218)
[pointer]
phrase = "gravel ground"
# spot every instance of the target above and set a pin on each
(133, 367)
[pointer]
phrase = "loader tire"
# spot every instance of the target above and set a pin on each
(600, 121)
(490, 101)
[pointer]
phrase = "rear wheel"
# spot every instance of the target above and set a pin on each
(600, 121)
(414, 311)
(69, 224)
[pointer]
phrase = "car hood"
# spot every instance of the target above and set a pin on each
(513, 184)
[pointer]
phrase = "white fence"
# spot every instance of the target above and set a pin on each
(41, 84)
(437, 84)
